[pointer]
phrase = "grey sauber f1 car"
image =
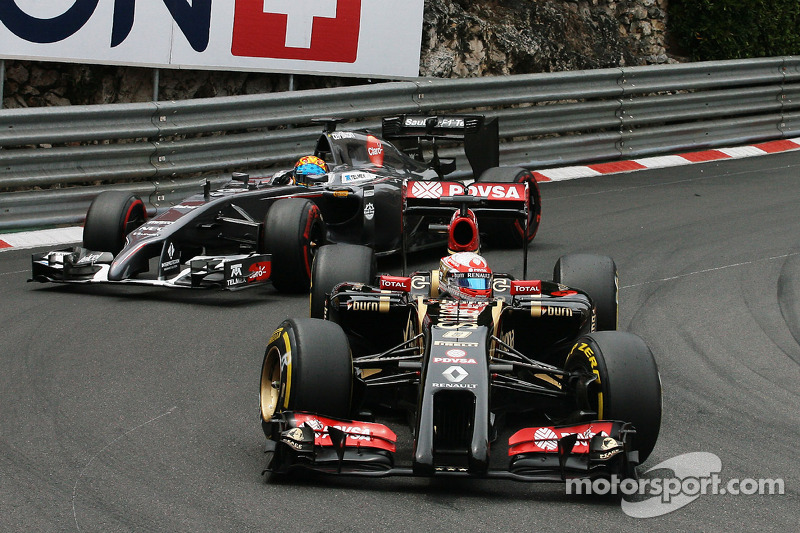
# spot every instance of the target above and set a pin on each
(485, 374)
(255, 230)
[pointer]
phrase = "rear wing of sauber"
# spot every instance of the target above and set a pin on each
(481, 136)
(485, 200)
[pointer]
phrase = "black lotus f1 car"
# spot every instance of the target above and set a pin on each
(268, 229)
(531, 384)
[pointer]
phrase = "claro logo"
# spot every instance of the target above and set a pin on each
(314, 30)
(193, 18)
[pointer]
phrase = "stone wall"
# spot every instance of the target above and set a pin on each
(461, 38)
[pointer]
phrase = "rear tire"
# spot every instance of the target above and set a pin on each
(596, 275)
(111, 217)
(628, 385)
(293, 231)
(505, 233)
(335, 264)
(307, 367)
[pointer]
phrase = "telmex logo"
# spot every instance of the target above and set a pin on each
(318, 30)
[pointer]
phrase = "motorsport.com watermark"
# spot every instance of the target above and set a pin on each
(695, 474)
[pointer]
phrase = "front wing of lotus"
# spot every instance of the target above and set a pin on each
(306, 441)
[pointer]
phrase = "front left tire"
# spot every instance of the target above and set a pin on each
(111, 217)
(307, 367)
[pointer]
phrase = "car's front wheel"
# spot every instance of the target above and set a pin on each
(307, 367)
(619, 380)
(111, 217)
(293, 231)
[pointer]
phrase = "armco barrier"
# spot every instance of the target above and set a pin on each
(53, 161)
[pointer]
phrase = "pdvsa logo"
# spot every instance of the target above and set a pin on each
(313, 30)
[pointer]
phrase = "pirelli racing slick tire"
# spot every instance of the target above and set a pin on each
(335, 264)
(627, 385)
(111, 217)
(307, 367)
(293, 231)
(596, 275)
(509, 233)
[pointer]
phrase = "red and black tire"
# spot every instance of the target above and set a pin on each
(505, 233)
(293, 231)
(111, 217)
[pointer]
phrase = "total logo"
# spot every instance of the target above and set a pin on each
(315, 30)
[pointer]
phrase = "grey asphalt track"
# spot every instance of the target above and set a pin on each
(131, 409)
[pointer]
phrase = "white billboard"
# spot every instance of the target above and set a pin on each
(367, 38)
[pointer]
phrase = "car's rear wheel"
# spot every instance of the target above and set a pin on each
(510, 233)
(620, 382)
(293, 231)
(111, 217)
(335, 264)
(307, 367)
(596, 275)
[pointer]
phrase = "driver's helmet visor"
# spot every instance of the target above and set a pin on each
(474, 280)
(309, 170)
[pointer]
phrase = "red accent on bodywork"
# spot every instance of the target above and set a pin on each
(463, 233)
(375, 150)
(563, 293)
(395, 283)
(545, 439)
(4, 244)
(367, 434)
(526, 287)
(259, 271)
(313, 215)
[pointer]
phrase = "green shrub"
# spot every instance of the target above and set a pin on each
(735, 29)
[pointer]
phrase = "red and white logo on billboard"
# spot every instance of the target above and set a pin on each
(312, 30)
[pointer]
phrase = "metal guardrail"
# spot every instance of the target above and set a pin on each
(159, 149)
